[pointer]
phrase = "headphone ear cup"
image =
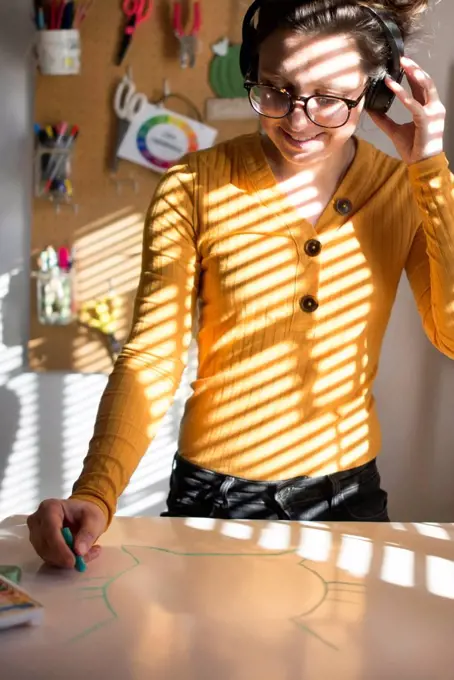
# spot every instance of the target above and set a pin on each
(369, 103)
(379, 97)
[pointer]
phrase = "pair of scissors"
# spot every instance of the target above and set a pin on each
(127, 104)
(188, 40)
(136, 11)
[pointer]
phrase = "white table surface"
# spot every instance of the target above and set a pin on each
(217, 600)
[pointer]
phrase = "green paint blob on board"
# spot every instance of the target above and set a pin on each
(226, 79)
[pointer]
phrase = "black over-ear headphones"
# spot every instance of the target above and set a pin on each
(378, 98)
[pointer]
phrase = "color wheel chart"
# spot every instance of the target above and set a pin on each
(157, 138)
(165, 138)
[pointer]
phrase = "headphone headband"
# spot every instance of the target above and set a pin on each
(379, 97)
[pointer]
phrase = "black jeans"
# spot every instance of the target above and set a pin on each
(353, 495)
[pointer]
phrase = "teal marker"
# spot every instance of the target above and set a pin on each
(67, 535)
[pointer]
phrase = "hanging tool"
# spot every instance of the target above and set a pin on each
(188, 41)
(127, 104)
(136, 11)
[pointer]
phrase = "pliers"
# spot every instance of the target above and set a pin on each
(188, 41)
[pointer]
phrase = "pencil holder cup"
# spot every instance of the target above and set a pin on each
(55, 297)
(59, 52)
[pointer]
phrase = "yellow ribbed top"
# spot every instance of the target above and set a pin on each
(282, 389)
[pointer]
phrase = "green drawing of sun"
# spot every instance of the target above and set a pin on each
(305, 594)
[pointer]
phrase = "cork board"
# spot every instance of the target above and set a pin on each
(107, 230)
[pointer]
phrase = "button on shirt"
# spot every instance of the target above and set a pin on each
(313, 247)
(308, 304)
(343, 206)
(280, 392)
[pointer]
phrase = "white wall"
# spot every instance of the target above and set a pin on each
(46, 420)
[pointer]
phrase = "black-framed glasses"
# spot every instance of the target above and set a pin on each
(326, 111)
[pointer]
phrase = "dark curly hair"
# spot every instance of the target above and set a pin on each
(329, 17)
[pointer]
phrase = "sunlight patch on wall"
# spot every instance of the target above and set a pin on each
(80, 399)
(19, 471)
(19, 486)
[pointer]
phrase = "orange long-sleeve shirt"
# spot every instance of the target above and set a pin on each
(291, 317)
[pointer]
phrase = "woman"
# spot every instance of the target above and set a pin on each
(292, 242)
